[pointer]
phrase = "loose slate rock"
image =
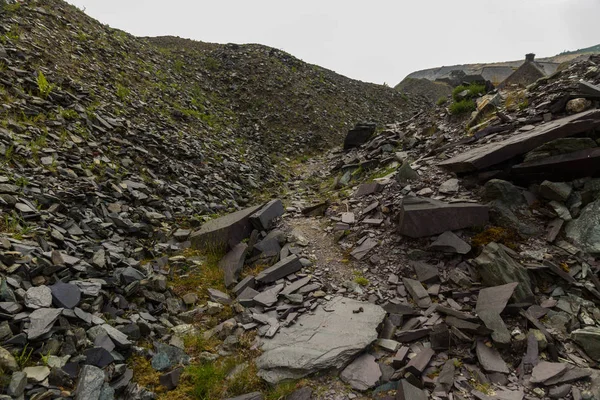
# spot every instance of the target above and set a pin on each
(448, 242)
(263, 219)
(363, 249)
(323, 340)
(65, 295)
(362, 374)
(589, 339)
(406, 391)
(304, 393)
(490, 359)
(248, 396)
(558, 191)
(417, 292)
(359, 135)
(233, 262)
(170, 380)
(89, 386)
(283, 268)
(497, 152)
(41, 321)
(219, 297)
(228, 230)
(38, 297)
(496, 268)
(421, 217)
(545, 371)
(490, 303)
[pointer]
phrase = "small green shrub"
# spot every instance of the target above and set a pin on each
(442, 100)
(462, 107)
(69, 114)
(122, 92)
(44, 87)
(474, 90)
(10, 7)
(212, 63)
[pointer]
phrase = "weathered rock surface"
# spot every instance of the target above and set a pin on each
(585, 230)
(498, 268)
(589, 339)
(362, 374)
(327, 339)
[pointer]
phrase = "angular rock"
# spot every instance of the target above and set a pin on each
(448, 242)
(248, 281)
(421, 217)
(323, 340)
(17, 384)
(219, 297)
(359, 135)
(98, 357)
(268, 297)
(412, 335)
(264, 218)
(368, 188)
(167, 356)
(283, 268)
(362, 374)
(419, 363)
(296, 285)
(407, 391)
(558, 191)
(7, 361)
(494, 153)
(38, 297)
(246, 298)
(564, 166)
(223, 232)
(426, 273)
(490, 359)
(89, 385)
(36, 374)
(417, 292)
(505, 193)
(585, 230)
(364, 248)
(545, 371)
(490, 303)
(497, 268)
(589, 339)
(233, 262)
(65, 295)
(449, 187)
(304, 393)
(170, 380)
(41, 321)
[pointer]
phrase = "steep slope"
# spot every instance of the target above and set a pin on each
(202, 113)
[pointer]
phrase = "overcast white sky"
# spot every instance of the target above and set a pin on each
(377, 40)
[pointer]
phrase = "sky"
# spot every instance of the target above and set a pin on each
(378, 41)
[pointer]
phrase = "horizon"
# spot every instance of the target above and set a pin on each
(334, 43)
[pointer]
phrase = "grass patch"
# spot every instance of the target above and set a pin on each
(69, 114)
(462, 107)
(474, 90)
(122, 92)
(441, 101)
(44, 87)
(360, 278)
(496, 234)
(199, 278)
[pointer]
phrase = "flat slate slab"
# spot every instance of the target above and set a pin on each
(490, 303)
(283, 268)
(490, 359)
(223, 232)
(363, 373)
(564, 167)
(329, 338)
(448, 242)
(233, 262)
(263, 219)
(494, 153)
(420, 217)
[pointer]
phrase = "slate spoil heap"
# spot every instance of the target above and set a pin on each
(416, 261)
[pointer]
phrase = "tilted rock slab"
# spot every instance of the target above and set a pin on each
(329, 338)
(226, 231)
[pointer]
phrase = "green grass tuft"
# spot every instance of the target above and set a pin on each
(462, 107)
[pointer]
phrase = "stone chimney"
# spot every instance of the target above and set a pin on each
(530, 57)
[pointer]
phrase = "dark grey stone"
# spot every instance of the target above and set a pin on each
(421, 217)
(17, 384)
(41, 321)
(490, 359)
(233, 262)
(170, 380)
(98, 357)
(223, 232)
(264, 218)
(65, 295)
(406, 391)
(283, 268)
(89, 385)
(490, 303)
(448, 242)
(304, 393)
(359, 135)
(417, 292)
(362, 374)
(167, 356)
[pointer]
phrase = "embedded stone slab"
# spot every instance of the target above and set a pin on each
(226, 231)
(564, 166)
(490, 303)
(283, 268)
(329, 338)
(420, 217)
(494, 153)
(233, 262)
(363, 373)
(263, 219)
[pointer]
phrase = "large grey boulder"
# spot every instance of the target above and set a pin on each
(497, 268)
(359, 135)
(227, 231)
(263, 219)
(585, 230)
(327, 339)
(589, 339)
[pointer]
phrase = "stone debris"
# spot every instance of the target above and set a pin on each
(421, 217)
(362, 374)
